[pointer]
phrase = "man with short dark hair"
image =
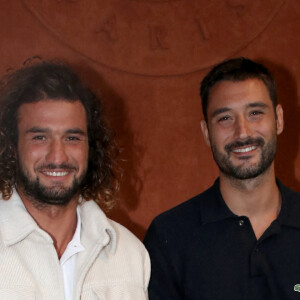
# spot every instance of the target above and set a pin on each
(240, 239)
(56, 170)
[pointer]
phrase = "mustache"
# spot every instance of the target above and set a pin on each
(52, 166)
(251, 141)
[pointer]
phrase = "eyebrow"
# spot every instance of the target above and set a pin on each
(76, 131)
(36, 129)
(257, 104)
(221, 110)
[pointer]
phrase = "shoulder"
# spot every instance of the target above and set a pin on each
(129, 246)
(181, 221)
(126, 240)
(123, 256)
(288, 192)
(97, 225)
(130, 256)
(290, 202)
(188, 212)
(290, 198)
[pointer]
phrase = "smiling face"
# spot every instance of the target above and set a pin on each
(242, 128)
(52, 150)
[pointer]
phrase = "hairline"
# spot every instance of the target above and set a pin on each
(237, 80)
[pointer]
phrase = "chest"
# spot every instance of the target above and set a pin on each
(225, 261)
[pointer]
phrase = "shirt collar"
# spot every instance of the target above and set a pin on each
(290, 208)
(96, 227)
(16, 223)
(214, 208)
(76, 236)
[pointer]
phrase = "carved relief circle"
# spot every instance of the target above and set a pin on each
(155, 37)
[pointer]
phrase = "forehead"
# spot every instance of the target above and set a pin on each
(233, 94)
(58, 114)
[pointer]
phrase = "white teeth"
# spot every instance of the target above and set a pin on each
(57, 174)
(243, 150)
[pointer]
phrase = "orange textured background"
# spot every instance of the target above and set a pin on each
(146, 59)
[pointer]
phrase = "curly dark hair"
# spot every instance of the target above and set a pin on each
(55, 80)
(236, 69)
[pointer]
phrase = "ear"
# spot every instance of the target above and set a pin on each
(205, 133)
(279, 119)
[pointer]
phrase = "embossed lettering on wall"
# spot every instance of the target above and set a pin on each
(158, 35)
(240, 6)
(155, 37)
(108, 26)
(202, 29)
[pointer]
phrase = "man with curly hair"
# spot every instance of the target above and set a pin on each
(57, 168)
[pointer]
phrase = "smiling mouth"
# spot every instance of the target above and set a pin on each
(244, 150)
(56, 174)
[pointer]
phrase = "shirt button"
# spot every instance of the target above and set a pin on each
(241, 222)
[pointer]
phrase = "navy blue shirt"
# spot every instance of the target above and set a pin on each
(201, 250)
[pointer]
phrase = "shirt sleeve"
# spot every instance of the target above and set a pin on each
(164, 281)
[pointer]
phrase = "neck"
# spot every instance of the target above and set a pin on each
(258, 198)
(58, 221)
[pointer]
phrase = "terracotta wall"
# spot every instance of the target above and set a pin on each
(146, 58)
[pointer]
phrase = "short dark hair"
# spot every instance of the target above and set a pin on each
(56, 81)
(236, 69)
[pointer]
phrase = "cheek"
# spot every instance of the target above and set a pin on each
(29, 156)
(220, 138)
(265, 130)
(81, 157)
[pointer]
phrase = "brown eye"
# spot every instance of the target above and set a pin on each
(225, 118)
(73, 138)
(256, 113)
(39, 138)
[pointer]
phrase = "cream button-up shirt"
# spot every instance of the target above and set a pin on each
(114, 265)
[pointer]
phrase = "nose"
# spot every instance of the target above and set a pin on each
(242, 128)
(56, 153)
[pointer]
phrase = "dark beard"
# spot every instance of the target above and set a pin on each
(240, 172)
(56, 195)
